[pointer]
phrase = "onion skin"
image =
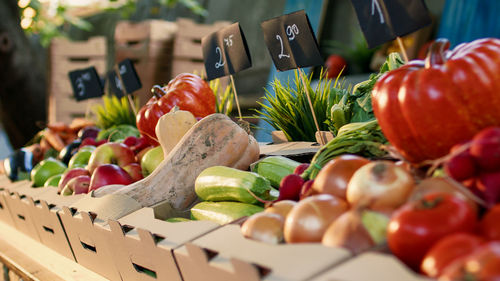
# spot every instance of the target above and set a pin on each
(334, 177)
(264, 227)
(348, 231)
(380, 185)
(281, 208)
(309, 219)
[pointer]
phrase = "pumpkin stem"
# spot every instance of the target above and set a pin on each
(436, 53)
(158, 91)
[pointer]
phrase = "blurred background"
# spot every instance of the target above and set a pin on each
(41, 40)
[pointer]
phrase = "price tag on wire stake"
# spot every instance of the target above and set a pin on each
(291, 41)
(115, 85)
(384, 20)
(86, 83)
(128, 77)
(225, 52)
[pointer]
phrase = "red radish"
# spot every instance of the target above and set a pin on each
(489, 185)
(301, 168)
(306, 189)
(461, 166)
(290, 187)
(101, 142)
(485, 147)
(88, 141)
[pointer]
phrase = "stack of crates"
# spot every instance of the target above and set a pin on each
(148, 44)
(66, 56)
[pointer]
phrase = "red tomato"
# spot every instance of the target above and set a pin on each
(334, 65)
(186, 91)
(441, 101)
(489, 226)
(417, 225)
(447, 250)
(483, 264)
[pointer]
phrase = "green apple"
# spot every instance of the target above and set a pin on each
(151, 160)
(45, 169)
(81, 158)
(53, 180)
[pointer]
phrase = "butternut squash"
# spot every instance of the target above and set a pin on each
(213, 141)
(171, 127)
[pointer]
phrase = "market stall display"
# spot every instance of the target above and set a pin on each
(181, 190)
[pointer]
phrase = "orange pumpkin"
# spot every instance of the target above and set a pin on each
(427, 106)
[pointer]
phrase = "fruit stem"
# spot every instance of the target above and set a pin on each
(429, 204)
(436, 53)
(158, 91)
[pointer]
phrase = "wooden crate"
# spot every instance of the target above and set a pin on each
(149, 44)
(65, 56)
(188, 55)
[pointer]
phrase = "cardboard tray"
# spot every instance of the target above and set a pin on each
(5, 215)
(17, 198)
(143, 243)
(224, 254)
(116, 238)
(371, 266)
(44, 211)
(89, 242)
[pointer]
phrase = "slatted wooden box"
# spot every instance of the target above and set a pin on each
(149, 45)
(65, 56)
(188, 55)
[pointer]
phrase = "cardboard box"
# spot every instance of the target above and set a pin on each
(89, 241)
(371, 266)
(19, 209)
(4, 181)
(224, 254)
(5, 215)
(47, 222)
(144, 244)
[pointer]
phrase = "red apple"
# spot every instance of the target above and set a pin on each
(77, 185)
(134, 170)
(107, 174)
(111, 153)
(70, 174)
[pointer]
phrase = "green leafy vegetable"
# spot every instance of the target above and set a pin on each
(363, 138)
(289, 109)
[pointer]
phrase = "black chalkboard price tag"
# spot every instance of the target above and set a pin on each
(225, 52)
(291, 41)
(385, 20)
(86, 83)
(115, 85)
(128, 76)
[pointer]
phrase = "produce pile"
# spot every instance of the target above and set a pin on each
(413, 168)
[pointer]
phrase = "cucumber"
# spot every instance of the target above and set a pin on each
(219, 183)
(223, 212)
(274, 168)
(177, 219)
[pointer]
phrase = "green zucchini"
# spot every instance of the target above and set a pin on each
(223, 212)
(219, 183)
(177, 219)
(274, 168)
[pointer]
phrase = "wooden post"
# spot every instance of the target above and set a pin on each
(303, 78)
(236, 96)
(403, 49)
(129, 97)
